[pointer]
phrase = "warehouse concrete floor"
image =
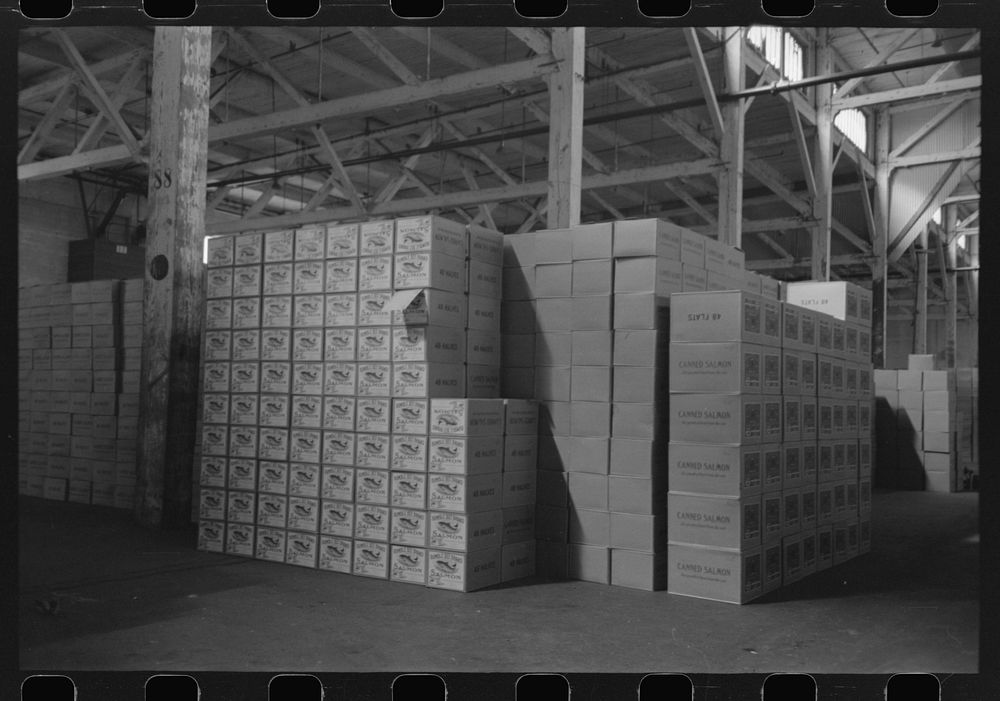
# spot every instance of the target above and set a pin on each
(131, 599)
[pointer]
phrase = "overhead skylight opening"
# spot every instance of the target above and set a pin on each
(853, 124)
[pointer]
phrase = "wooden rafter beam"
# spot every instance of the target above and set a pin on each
(928, 126)
(103, 102)
(880, 58)
(44, 128)
(51, 83)
(803, 147)
(914, 92)
(100, 125)
(969, 152)
(704, 81)
(971, 43)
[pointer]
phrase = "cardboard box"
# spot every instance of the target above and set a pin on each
(715, 418)
(240, 539)
(715, 367)
(409, 527)
(909, 380)
(711, 573)
(589, 563)
(408, 564)
(520, 453)
(335, 554)
(657, 275)
(519, 283)
(485, 244)
(715, 521)
(428, 380)
(586, 491)
(275, 344)
(517, 560)
(553, 280)
(219, 251)
(247, 313)
(718, 317)
(693, 277)
(591, 277)
(590, 419)
(218, 282)
(553, 348)
(646, 348)
(371, 559)
(472, 493)
(376, 272)
(722, 470)
(210, 534)
(551, 523)
(647, 237)
(641, 421)
(519, 250)
(647, 533)
(518, 524)
(590, 313)
(336, 518)
(371, 522)
(464, 532)
(375, 380)
(465, 456)
(428, 307)
(408, 490)
(463, 571)
(341, 309)
(374, 414)
(432, 269)
(484, 313)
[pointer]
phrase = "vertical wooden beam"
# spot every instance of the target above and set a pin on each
(947, 253)
(566, 127)
(173, 295)
(823, 160)
(704, 81)
(730, 178)
(920, 330)
(880, 232)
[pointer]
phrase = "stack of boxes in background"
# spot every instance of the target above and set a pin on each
(770, 453)
(925, 427)
(585, 319)
(324, 349)
(79, 390)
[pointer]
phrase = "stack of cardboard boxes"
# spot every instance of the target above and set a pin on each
(770, 452)
(585, 312)
(325, 349)
(925, 426)
(79, 390)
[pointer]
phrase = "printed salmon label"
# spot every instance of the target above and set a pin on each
(310, 243)
(214, 440)
(307, 378)
(301, 549)
(374, 379)
(244, 409)
(213, 472)
(303, 514)
(340, 344)
(212, 504)
(377, 237)
(277, 279)
(275, 344)
(338, 447)
(371, 522)
(304, 445)
(371, 559)
(303, 480)
(373, 343)
(219, 283)
(249, 249)
(341, 309)
(216, 377)
(241, 507)
(307, 345)
(242, 474)
(309, 278)
(308, 310)
(372, 450)
(246, 345)
(244, 377)
(272, 510)
(337, 482)
(210, 535)
(276, 312)
(341, 275)
(337, 518)
(273, 443)
(247, 281)
(306, 411)
(371, 486)
(217, 345)
(408, 564)
(270, 544)
(409, 453)
(243, 441)
(279, 246)
(408, 490)
(340, 378)
(342, 241)
(220, 251)
(409, 416)
(274, 410)
(375, 273)
(409, 527)
(338, 413)
(373, 414)
(215, 409)
(335, 554)
(373, 310)
(240, 539)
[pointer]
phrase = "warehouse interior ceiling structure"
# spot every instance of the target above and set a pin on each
(315, 124)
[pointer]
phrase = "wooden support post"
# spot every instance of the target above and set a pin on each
(920, 320)
(173, 296)
(823, 160)
(946, 255)
(566, 127)
(880, 236)
(730, 180)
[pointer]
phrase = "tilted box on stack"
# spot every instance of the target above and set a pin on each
(325, 348)
(79, 384)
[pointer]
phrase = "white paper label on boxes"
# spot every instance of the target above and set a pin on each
(244, 409)
(335, 554)
(308, 278)
(279, 246)
(428, 344)
(466, 417)
(423, 307)
(464, 493)
(341, 275)
(338, 447)
(342, 241)
(303, 514)
(373, 343)
(463, 571)
(374, 379)
(340, 344)
(408, 490)
(427, 379)
(218, 313)
(249, 249)
(409, 452)
(409, 416)
(337, 482)
(220, 251)
(375, 273)
(240, 539)
(275, 344)
(306, 411)
(213, 472)
(244, 377)
(310, 243)
(212, 504)
(210, 533)
(408, 564)
(277, 279)
(215, 408)
(340, 378)
(246, 344)
(376, 237)
(247, 281)
(304, 445)
(275, 377)
(371, 522)
(409, 527)
(373, 310)
(463, 456)
(307, 378)
(338, 413)
(371, 486)
(247, 312)
(243, 441)
(371, 559)
(272, 510)
(337, 518)
(341, 309)
(270, 544)
(373, 414)
(431, 233)
(214, 440)
(242, 474)
(301, 549)
(372, 450)
(219, 283)
(241, 507)
(307, 310)
(429, 269)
